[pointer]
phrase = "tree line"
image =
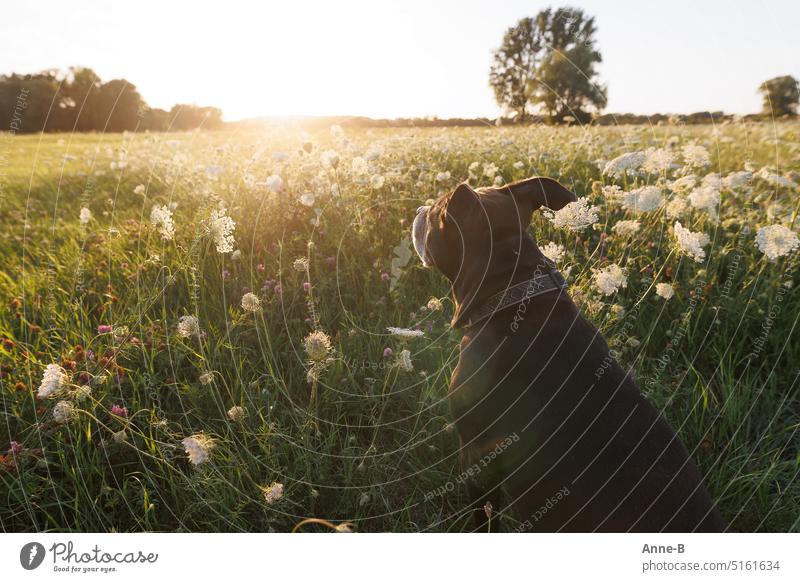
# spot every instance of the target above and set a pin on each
(544, 70)
(79, 100)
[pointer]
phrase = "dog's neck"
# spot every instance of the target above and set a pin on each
(472, 290)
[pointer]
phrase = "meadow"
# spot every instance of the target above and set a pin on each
(195, 334)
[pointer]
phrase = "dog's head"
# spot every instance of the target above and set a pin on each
(479, 238)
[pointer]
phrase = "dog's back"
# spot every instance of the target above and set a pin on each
(587, 452)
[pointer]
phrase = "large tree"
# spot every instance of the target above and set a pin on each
(548, 63)
(780, 96)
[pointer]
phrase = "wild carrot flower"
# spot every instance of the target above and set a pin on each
(776, 241)
(237, 413)
(53, 381)
(665, 290)
(691, 243)
(434, 304)
(251, 303)
(695, 155)
(330, 159)
(553, 251)
(403, 332)
(574, 216)
(161, 218)
(63, 412)
(404, 361)
(300, 264)
(272, 492)
(317, 345)
(642, 199)
(610, 279)
(626, 163)
(359, 166)
(626, 227)
(275, 183)
(188, 326)
(221, 227)
(676, 207)
(658, 160)
(707, 196)
(198, 447)
(85, 216)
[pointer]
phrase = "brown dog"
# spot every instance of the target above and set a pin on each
(548, 420)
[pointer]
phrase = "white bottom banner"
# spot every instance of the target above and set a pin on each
(372, 557)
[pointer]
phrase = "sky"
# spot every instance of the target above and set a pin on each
(398, 58)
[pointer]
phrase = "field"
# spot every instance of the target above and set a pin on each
(205, 347)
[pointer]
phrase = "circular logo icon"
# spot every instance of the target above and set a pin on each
(31, 555)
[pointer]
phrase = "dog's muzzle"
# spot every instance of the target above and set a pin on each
(419, 234)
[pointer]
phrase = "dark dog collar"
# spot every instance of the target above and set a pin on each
(522, 292)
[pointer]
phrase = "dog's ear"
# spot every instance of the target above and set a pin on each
(541, 192)
(461, 202)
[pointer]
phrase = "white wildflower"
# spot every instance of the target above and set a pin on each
(776, 179)
(317, 345)
(272, 492)
(161, 218)
(139, 190)
(676, 206)
(707, 196)
(658, 160)
(373, 153)
(359, 166)
(738, 180)
(626, 163)
(665, 290)
(275, 183)
(403, 332)
(237, 413)
(683, 184)
(404, 361)
(434, 304)
(53, 380)
(610, 279)
(489, 170)
(626, 227)
(330, 159)
(695, 155)
(691, 243)
(221, 227)
(612, 192)
(644, 199)
(307, 199)
(198, 447)
(776, 241)
(377, 181)
(575, 215)
(300, 264)
(553, 251)
(188, 326)
(63, 412)
(442, 176)
(85, 216)
(251, 303)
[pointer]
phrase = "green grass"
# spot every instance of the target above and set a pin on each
(374, 439)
